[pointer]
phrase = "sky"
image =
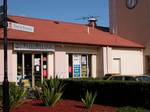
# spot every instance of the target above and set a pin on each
(61, 10)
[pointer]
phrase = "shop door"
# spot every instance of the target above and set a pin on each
(28, 64)
(32, 67)
(37, 68)
(116, 66)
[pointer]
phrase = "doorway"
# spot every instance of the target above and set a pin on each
(32, 67)
(116, 66)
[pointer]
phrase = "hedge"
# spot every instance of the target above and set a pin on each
(110, 92)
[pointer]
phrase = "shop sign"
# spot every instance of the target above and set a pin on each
(76, 65)
(24, 46)
(20, 27)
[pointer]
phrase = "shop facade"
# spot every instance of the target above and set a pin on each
(39, 49)
(37, 60)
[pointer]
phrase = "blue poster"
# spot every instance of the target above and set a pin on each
(76, 70)
(76, 65)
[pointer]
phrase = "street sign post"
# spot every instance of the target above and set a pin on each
(5, 41)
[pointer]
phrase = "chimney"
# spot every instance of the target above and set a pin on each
(92, 22)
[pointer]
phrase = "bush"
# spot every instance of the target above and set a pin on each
(89, 99)
(131, 109)
(16, 95)
(52, 91)
(110, 92)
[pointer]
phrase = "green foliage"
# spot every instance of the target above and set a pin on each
(89, 99)
(1, 93)
(52, 91)
(37, 91)
(131, 109)
(110, 92)
(16, 94)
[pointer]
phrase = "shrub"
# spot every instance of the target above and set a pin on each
(89, 99)
(37, 92)
(131, 109)
(110, 92)
(16, 95)
(52, 91)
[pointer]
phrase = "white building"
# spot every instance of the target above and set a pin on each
(42, 48)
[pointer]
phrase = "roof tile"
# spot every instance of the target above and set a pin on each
(63, 32)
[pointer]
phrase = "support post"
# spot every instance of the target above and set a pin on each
(5, 82)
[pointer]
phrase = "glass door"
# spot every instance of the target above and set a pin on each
(37, 68)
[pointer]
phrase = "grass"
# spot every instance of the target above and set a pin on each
(132, 109)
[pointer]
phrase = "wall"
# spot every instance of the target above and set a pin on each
(1, 63)
(131, 60)
(133, 24)
(102, 60)
(50, 65)
(11, 62)
(61, 58)
(61, 65)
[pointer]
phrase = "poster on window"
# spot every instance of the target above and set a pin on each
(37, 61)
(84, 66)
(76, 65)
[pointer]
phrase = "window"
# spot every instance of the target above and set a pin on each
(79, 65)
(32, 66)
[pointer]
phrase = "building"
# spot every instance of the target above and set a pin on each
(131, 19)
(41, 48)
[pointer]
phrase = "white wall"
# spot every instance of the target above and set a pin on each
(1, 65)
(94, 66)
(12, 66)
(107, 59)
(131, 60)
(50, 65)
(61, 64)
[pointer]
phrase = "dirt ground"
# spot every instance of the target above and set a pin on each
(61, 106)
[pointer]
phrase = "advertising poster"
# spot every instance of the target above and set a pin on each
(37, 61)
(84, 66)
(76, 65)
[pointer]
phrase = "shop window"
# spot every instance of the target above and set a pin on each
(37, 68)
(70, 66)
(84, 65)
(28, 64)
(19, 67)
(45, 72)
(25, 67)
(19, 64)
(79, 65)
(76, 65)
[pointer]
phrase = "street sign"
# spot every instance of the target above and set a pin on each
(21, 27)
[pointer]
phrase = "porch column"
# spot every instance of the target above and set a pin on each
(23, 71)
(33, 76)
(14, 67)
(50, 65)
(41, 68)
(107, 59)
(93, 66)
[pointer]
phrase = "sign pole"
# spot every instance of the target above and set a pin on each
(5, 82)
